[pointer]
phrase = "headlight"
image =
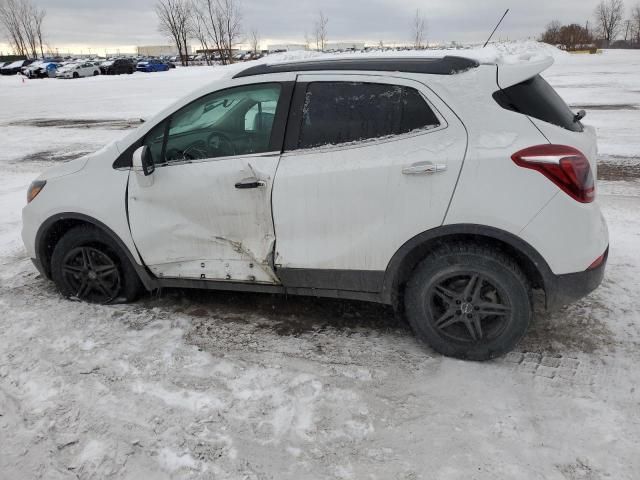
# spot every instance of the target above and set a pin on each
(34, 189)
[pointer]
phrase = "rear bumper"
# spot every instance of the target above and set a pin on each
(569, 288)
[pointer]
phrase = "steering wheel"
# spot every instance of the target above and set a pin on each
(195, 151)
(220, 145)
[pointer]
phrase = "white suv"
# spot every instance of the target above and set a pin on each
(446, 188)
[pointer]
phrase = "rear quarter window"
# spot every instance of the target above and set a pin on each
(536, 98)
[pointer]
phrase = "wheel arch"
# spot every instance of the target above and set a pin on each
(412, 252)
(56, 226)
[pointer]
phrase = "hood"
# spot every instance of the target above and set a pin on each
(106, 154)
(64, 169)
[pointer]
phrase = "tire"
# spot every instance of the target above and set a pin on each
(76, 75)
(96, 73)
(468, 302)
(86, 264)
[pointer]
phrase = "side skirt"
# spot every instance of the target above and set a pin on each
(318, 286)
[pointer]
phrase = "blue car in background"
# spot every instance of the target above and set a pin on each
(152, 65)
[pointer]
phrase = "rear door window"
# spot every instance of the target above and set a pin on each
(336, 113)
(536, 98)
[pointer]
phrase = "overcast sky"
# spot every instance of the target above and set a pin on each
(101, 24)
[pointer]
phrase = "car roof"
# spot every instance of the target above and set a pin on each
(449, 65)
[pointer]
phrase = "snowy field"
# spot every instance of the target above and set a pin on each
(243, 386)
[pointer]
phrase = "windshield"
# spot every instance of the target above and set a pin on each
(202, 117)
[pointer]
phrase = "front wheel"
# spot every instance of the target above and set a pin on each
(469, 302)
(89, 266)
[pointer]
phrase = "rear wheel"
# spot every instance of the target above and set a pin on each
(89, 266)
(469, 302)
(76, 75)
(96, 73)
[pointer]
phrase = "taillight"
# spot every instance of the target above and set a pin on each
(599, 261)
(565, 166)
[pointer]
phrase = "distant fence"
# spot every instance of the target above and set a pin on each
(591, 51)
(12, 58)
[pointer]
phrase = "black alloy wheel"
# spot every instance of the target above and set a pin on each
(468, 307)
(91, 274)
(88, 265)
(468, 301)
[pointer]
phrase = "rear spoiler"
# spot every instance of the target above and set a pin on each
(512, 74)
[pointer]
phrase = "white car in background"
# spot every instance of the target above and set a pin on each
(78, 70)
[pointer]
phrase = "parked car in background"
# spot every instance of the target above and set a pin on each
(41, 70)
(152, 65)
(77, 70)
(117, 67)
(15, 67)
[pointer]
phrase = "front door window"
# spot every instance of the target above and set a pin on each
(236, 121)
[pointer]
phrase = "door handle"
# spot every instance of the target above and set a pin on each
(424, 168)
(250, 183)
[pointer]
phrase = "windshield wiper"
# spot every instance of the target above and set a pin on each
(579, 116)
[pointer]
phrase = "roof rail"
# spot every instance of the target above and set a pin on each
(448, 65)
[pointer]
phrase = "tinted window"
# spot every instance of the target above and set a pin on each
(236, 121)
(536, 98)
(341, 112)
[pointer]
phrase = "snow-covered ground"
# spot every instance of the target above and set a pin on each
(241, 386)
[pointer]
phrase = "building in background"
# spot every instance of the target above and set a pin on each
(344, 46)
(287, 47)
(159, 51)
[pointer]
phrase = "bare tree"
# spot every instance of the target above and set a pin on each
(552, 33)
(320, 31)
(570, 37)
(198, 29)
(232, 25)
(609, 15)
(175, 22)
(27, 23)
(38, 19)
(22, 22)
(10, 18)
(208, 10)
(255, 41)
(222, 20)
(635, 24)
(419, 29)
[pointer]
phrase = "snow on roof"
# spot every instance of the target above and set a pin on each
(498, 53)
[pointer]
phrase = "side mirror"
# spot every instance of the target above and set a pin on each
(143, 162)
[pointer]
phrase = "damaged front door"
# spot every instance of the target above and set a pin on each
(205, 212)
